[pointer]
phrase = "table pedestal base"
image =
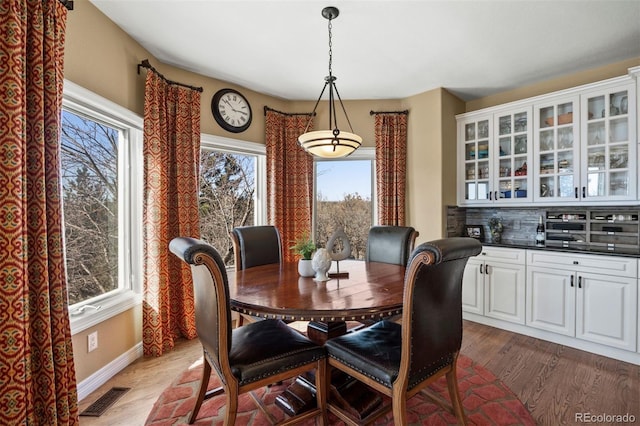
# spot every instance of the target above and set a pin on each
(352, 396)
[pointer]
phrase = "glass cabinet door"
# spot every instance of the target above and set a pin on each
(556, 150)
(513, 130)
(476, 167)
(609, 146)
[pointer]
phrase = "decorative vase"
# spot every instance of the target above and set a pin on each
(321, 263)
(305, 268)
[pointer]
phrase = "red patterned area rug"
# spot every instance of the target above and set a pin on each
(486, 400)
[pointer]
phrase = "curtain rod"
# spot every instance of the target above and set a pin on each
(145, 64)
(266, 108)
(406, 112)
(67, 3)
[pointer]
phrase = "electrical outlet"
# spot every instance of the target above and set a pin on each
(92, 341)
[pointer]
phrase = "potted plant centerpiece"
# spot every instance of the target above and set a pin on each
(305, 247)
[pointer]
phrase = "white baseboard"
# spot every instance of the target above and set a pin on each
(101, 376)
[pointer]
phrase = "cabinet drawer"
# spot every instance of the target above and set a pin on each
(598, 264)
(499, 254)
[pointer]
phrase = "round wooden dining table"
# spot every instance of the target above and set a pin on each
(372, 291)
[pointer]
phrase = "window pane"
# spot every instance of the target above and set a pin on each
(227, 197)
(89, 165)
(343, 191)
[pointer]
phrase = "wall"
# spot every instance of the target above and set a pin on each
(566, 82)
(431, 161)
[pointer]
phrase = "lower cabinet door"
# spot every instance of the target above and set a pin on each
(504, 295)
(606, 310)
(473, 287)
(551, 299)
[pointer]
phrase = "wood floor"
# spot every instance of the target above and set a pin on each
(555, 382)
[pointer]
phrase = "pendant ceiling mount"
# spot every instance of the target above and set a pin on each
(332, 142)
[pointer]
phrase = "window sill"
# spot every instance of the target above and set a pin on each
(108, 308)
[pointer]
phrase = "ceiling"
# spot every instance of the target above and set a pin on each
(382, 49)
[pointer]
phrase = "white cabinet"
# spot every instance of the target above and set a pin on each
(609, 144)
(474, 149)
(494, 284)
(556, 148)
(494, 153)
(591, 297)
(578, 145)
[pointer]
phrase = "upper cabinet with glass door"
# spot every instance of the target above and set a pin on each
(556, 150)
(512, 156)
(609, 144)
(474, 146)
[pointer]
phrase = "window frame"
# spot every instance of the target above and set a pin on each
(236, 146)
(81, 101)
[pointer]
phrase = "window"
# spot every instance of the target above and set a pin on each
(100, 144)
(232, 182)
(344, 197)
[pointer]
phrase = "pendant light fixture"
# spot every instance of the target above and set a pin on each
(333, 142)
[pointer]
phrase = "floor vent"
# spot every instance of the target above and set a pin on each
(105, 401)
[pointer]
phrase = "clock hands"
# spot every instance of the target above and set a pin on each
(226, 101)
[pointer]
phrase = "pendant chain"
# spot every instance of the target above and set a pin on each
(330, 48)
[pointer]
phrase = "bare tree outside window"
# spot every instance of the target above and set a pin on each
(89, 166)
(227, 197)
(343, 199)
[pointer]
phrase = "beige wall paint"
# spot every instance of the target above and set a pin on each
(424, 164)
(566, 82)
(123, 333)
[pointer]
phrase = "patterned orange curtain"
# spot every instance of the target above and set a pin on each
(171, 159)
(38, 381)
(391, 166)
(289, 178)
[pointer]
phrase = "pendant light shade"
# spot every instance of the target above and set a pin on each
(333, 142)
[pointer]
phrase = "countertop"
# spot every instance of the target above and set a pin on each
(585, 249)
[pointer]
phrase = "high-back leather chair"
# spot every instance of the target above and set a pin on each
(401, 360)
(248, 357)
(390, 244)
(256, 245)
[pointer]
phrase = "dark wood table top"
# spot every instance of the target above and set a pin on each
(372, 291)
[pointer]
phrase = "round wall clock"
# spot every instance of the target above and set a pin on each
(231, 110)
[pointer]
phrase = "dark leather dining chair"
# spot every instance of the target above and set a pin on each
(390, 244)
(400, 360)
(256, 245)
(249, 357)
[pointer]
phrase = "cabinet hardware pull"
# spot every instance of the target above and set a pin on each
(571, 280)
(576, 190)
(579, 282)
(496, 195)
(486, 269)
(491, 195)
(584, 192)
(481, 269)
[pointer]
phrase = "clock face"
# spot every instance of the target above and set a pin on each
(231, 110)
